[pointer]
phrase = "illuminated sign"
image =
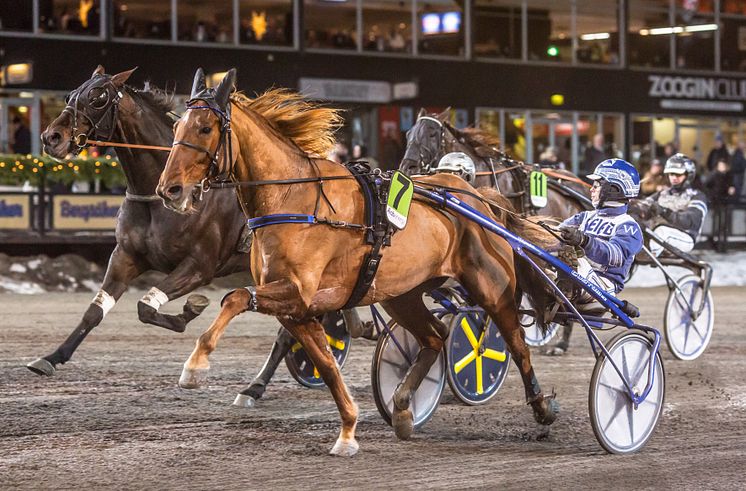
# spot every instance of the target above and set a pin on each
(15, 211)
(698, 93)
(86, 212)
(441, 23)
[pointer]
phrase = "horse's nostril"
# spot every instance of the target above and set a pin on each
(51, 138)
(174, 192)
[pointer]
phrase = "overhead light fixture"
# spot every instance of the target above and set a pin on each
(557, 100)
(595, 36)
(657, 31)
(18, 73)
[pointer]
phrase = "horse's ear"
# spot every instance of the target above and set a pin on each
(199, 82)
(445, 115)
(223, 92)
(421, 113)
(98, 71)
(120, 78)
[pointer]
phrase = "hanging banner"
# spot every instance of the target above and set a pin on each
(85, 212)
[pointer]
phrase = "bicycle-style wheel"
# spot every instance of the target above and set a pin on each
(534, 336)
(619, 426)
(477, 358)
(300, 365)
(394, 355)
(687, 337)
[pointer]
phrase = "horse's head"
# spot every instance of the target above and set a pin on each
(425, 142)
(90, 113)
(202, 144)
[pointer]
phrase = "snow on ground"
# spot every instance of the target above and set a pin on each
(729, 269)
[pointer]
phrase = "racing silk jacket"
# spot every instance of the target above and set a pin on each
(686, 208)
(614, 238)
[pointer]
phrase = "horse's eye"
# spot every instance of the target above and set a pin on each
(205, 130)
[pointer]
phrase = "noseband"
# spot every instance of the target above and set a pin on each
(102, 125)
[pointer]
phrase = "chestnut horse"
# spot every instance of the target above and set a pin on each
(305, 269)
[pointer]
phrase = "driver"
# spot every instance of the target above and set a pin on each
(458, 163)
(678, 212)
(608, 237)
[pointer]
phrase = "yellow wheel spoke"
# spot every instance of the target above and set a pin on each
(316, 373)
(463, 362)
(466, 327)
(335, 343)
(480, 385)
(296, 347)
(494, 355)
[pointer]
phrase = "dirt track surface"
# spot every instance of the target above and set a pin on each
(114, 417)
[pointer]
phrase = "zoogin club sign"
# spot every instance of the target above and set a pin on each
(697, 93)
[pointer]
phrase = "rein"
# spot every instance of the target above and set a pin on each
(82, 141)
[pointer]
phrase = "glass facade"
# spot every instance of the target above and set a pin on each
(76, 17)
(703, 35)
(141, 19)
(266, 23)
(205, 21)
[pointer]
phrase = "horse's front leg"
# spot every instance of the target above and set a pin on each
(188, 275)
(122, 269)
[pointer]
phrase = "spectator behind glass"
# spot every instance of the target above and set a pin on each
(21, 136)
(719, 184)
(719, 152)
(654, 180)
(595, 153)
(738, 167)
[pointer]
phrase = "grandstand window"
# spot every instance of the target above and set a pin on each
(142, 19)
(387, 26)
(498, 28)
(266, 22)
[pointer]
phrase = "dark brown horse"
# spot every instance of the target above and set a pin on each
(149, 236)
(432, 137)
(305, 269)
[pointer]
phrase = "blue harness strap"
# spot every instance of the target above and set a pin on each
(259, 222)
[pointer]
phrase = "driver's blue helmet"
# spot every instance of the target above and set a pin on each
(621, 173)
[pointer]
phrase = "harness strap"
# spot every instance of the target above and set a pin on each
(143, 198)
(259, 222)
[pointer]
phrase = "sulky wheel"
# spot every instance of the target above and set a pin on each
(620, 427)
(393, 356)
(300, 365)
(477, 358)
(533, 334)
(687, 336)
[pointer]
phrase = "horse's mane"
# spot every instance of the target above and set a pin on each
(308, 124)
(484, 142)
(159, 99)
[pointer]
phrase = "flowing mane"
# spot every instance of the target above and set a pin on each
(306, 123)
(480, 139)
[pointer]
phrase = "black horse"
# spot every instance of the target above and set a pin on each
(432, 137)
(149, 236)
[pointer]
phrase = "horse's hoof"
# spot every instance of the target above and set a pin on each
(193, 378)
(345, 448)
(555, 351)
(242, 400)
(41, 367)
(545, 411)
(403, 423)
(197, 303)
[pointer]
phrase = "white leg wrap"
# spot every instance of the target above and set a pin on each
(155, 298)
(104, 300)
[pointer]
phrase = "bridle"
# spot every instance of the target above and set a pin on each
(216, 173)
(103, 122)
(427, 166)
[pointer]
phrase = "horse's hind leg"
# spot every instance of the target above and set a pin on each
(479, 278)
(122, 269)
(410, 312)
(280, 348)
(187, 276)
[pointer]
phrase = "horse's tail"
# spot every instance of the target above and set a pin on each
(530, 281)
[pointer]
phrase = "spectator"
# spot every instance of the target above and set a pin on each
(391, 149)
(595, 153)
(339, 153)
(654, 179)
(719, 184)
(738, 167)
(21, 136)
(719, 152)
